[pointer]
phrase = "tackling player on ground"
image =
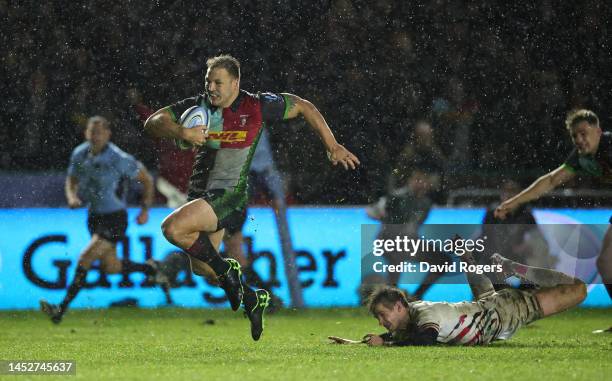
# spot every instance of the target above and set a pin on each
(492, 316)
(218, 185)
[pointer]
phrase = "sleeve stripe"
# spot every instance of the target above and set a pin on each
(430, 325)
(568, 167)
(171, 112)
(285, 114)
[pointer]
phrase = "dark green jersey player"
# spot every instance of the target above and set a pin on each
(597, 164)
(592, 156)
(218, 183)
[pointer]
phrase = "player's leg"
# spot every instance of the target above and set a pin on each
(94, 250)
(480, 284)
(234, 243)
(604, 261)
(110, 264)
(256, 301)
(604, 266)
(233, 247)
(560, 298)
(540, 276)
(202, 269)
(560, 291)
(231, 279)
(97, 247)
(191, 228)
(105, 229)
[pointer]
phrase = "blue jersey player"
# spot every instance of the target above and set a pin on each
(95, 175)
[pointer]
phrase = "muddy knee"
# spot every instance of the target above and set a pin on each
(581, 291)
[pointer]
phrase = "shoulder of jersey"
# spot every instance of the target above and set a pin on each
(81, 148)
(268, 96)
(118, 151)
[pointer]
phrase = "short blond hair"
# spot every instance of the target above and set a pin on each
(227, 62)
(576, 117)
(387, 296)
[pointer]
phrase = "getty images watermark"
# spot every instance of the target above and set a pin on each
(404, 245)
(426, 254)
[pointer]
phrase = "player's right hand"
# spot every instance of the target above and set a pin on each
(196, 136)
(374, 340)
(339, 154)
(502, 211)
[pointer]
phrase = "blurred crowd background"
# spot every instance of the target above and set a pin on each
(489, 82)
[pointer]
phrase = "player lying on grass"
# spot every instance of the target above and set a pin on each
(492, 316)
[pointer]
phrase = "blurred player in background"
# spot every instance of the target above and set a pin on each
(517, 236)
(402, 212)
(421, 153)
(414, 181)
(96, 177)
(173, 164)
(592, 156)
(492, 316)
(218, 185)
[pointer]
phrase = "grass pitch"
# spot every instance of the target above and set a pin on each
(177, 344)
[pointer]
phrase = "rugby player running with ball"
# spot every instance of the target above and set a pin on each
(218, 185)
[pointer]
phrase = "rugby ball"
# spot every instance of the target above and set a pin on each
(193, 116)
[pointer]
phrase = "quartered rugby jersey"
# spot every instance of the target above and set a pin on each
(223, 161)
(598, 165)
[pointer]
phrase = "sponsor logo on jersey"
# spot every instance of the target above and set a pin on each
(228, 136)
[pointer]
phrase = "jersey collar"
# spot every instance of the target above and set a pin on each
(104, 149)
(234, 106)
(236, 103)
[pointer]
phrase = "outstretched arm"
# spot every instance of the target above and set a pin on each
(421, 337)
(296, 106)
(536, 190)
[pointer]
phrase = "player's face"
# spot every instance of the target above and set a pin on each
(586, 137)
(98, 135)
(222, 87)
(391, 318)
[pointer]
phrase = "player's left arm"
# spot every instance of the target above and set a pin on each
(422, 337)
(148, 194)
(336, 152)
